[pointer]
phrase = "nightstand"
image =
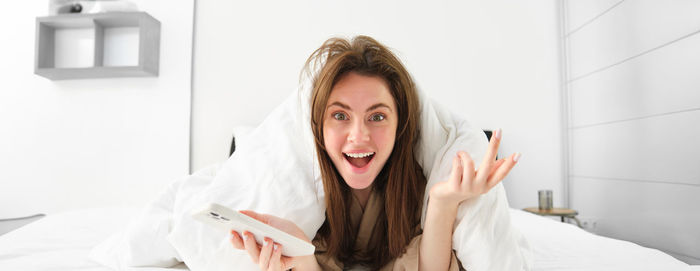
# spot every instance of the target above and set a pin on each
(560, 212)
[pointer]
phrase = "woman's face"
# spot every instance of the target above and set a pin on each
(359, 127)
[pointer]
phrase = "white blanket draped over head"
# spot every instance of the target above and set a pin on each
(274, 170)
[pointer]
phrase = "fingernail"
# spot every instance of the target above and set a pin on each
(516, 157)
(267, 243)
(245, 237)
(275, 247)
(497, 134)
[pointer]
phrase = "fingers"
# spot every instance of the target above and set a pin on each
(251, 246)
(260, 217)
(495, 166)
(275, 261)
(456, 173)
(268, 256)
(265, 254)
(286, 262)
(490, 156)
(236, 240)
(503, 170)
(467, 168)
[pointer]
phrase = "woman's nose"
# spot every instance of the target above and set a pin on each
(359, 132)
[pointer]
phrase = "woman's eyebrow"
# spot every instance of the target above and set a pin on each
(347, 107)
(344, 106)
(378, 106)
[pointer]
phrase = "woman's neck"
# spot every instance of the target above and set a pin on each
(362, 195)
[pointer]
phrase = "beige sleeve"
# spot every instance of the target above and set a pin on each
(409, 260)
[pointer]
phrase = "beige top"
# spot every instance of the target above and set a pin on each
(365, 222)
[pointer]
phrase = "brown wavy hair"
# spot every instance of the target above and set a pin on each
(401, 181)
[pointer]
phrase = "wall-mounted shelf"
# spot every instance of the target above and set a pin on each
(148, 45)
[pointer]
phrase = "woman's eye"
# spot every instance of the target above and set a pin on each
(377, 117)
(340, 116)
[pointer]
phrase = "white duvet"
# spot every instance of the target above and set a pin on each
(274, 171)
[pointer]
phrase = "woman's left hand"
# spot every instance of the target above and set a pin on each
(465, 182)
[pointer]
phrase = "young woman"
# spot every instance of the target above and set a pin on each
(364, 117)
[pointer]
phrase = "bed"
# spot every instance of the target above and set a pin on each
(63, 241)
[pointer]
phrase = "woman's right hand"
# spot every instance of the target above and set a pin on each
(465, 182)
(269, 255)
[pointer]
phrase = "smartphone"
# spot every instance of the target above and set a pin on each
(225, 219)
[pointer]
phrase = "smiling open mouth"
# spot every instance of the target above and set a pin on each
(359, 160)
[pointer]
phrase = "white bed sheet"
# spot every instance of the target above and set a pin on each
(63, 242)
(562, 246)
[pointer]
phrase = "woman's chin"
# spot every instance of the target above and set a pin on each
(359, 182)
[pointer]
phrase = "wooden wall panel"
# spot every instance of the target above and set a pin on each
(634, 110)
(631, 28)
(639, 212)
(661, 82)
(658, 149)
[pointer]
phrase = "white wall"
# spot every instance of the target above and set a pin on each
(634, 114)
(495, 62)
(94, 142)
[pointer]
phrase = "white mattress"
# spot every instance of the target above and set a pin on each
(63, 242)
